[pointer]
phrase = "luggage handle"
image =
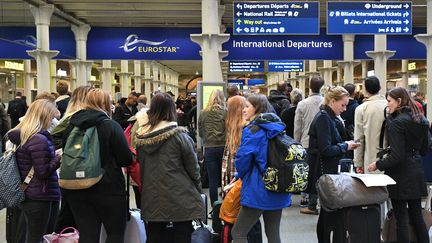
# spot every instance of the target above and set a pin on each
(351, 170)
(428, 200)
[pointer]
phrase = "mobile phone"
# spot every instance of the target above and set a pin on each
(357, 141)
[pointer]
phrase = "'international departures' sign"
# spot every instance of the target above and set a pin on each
(391, 18)
(276, 18)
(246, 66)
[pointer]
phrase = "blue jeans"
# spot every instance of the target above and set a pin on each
(40, 217)
(213, 159)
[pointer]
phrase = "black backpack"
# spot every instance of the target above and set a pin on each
(287, 169)
(15, 109)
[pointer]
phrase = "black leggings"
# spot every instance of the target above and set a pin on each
(91, 210)
(409, 215)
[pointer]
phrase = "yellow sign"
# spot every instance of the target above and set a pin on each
(412, 66)
(14, 65)
(207, 90)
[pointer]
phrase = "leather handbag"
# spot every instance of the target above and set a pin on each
(62, 237)
(230, 207)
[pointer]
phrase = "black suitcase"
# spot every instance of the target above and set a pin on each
(357, 224)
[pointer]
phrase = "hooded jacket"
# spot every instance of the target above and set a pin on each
(171, 183)
(39, 152)
(114, 149)
(279, 101)
(251, 160)
(408, 143)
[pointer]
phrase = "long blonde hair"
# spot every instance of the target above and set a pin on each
(98, 99)
(216, 100)
(77, 99)
(234, 122)
(37, 118)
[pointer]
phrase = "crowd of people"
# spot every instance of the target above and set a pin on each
(157, 144)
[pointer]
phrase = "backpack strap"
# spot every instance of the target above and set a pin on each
(382, 133)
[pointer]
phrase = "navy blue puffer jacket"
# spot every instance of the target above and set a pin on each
(39, 152)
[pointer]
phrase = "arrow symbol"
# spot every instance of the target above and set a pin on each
(406, 29)
(238, 29)
(406, 14)
(239, 14)
(406, 21)
(239, 21)
(239, 6)
(406, 5)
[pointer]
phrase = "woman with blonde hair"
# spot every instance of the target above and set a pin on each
(326, 148)
(76, 103)
(211, 128)
(105, 202)
(35, 152)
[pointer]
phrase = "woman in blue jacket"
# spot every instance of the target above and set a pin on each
(251, 158)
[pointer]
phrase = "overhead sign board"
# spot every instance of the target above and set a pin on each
(276, 18)
(391, 18)
(236, 82)
(246, 66)
(286, 66)
(256, 82)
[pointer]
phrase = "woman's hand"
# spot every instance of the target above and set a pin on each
(372, 167)
(352, 145)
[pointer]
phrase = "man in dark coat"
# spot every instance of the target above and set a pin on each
(279, 98)
(16, 109)
(125, 110)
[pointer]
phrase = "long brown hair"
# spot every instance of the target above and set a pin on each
(234, 122)
(406, 101)
(162, 108)
(260, 103)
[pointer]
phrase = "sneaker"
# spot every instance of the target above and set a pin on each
(304, 203)
(309, 211)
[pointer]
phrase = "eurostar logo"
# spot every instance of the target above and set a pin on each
(131, 42)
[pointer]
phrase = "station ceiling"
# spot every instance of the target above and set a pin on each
(143, 13)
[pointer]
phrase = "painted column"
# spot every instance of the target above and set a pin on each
(292, 79)
(404, 73)
(28, 80)
(210, 41)
(156, 79)
(137, 76)
(147, 80)
(339, 76)
(302, 79)
(380, 56)
(169, 81)
(42, 54)
(162, 78)
(176, 87)
(426, 39)
(124, 78)
(348, 63)
(83, 67)
(107, 76)
(72, 76)
(312, 69)
(327, 72)
(364, 69)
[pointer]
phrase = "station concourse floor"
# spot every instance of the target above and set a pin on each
(295, 227)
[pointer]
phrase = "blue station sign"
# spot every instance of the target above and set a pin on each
(246, 66)
(286, 66)
(256, 82)
(236, 82)
(276, 18)
(391, 18)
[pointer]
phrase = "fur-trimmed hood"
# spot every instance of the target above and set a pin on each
(154, 139)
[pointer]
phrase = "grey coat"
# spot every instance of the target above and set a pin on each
(171, 184)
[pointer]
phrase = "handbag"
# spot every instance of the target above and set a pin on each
(230, 207)
(62, 237)
(201, 233)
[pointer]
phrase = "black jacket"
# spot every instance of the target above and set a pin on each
(287, 116)
(62, 105)
(279, 101)
(122, 114)
(408, 143)
(114, 149)
(326, 146)
(348, 115)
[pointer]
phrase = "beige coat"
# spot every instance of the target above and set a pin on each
(368, 119)
(305, 113)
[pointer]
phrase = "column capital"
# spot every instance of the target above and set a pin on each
(36, 53)
(313, 73)
(426, 39)
(380, 54)
(327, 68)
(127, 74)
(302, 77)
(343, 63)
(42, 14)
(104, 69)
(81, 32)
(219, 38)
